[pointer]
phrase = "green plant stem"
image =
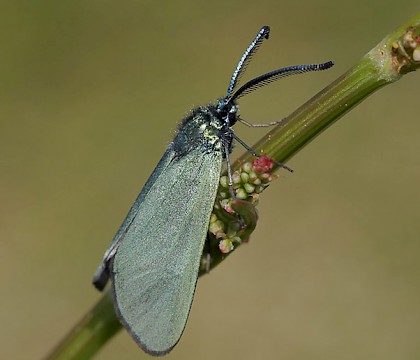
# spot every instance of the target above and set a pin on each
(384, 64)
(91, 333)
(381, 66)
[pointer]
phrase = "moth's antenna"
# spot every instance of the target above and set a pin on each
(275, 75)
(246, 57)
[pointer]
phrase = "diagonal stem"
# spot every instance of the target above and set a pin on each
(396, 55)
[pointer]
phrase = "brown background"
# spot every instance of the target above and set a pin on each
(90, 94)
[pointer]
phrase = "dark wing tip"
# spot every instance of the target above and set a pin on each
(101, 277)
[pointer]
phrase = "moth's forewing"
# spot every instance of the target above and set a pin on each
(155, 267)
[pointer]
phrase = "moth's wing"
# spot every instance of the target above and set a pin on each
(102, 273)
(155, 267)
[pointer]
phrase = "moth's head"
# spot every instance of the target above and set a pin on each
(227, 109)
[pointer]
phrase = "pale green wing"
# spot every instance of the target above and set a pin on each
(156, 263)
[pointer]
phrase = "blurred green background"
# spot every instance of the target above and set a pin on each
(90, 95)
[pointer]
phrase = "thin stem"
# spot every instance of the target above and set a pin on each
(383, 65)
(90, 334)
(396, 55)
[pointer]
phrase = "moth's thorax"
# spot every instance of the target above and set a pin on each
(207, 128)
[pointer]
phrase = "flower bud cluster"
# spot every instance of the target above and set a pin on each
(247, 183)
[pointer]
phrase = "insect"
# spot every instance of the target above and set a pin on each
(154, 258)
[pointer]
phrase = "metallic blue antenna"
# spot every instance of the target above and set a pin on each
(246, 58)
(278, 74)
(265, 78)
